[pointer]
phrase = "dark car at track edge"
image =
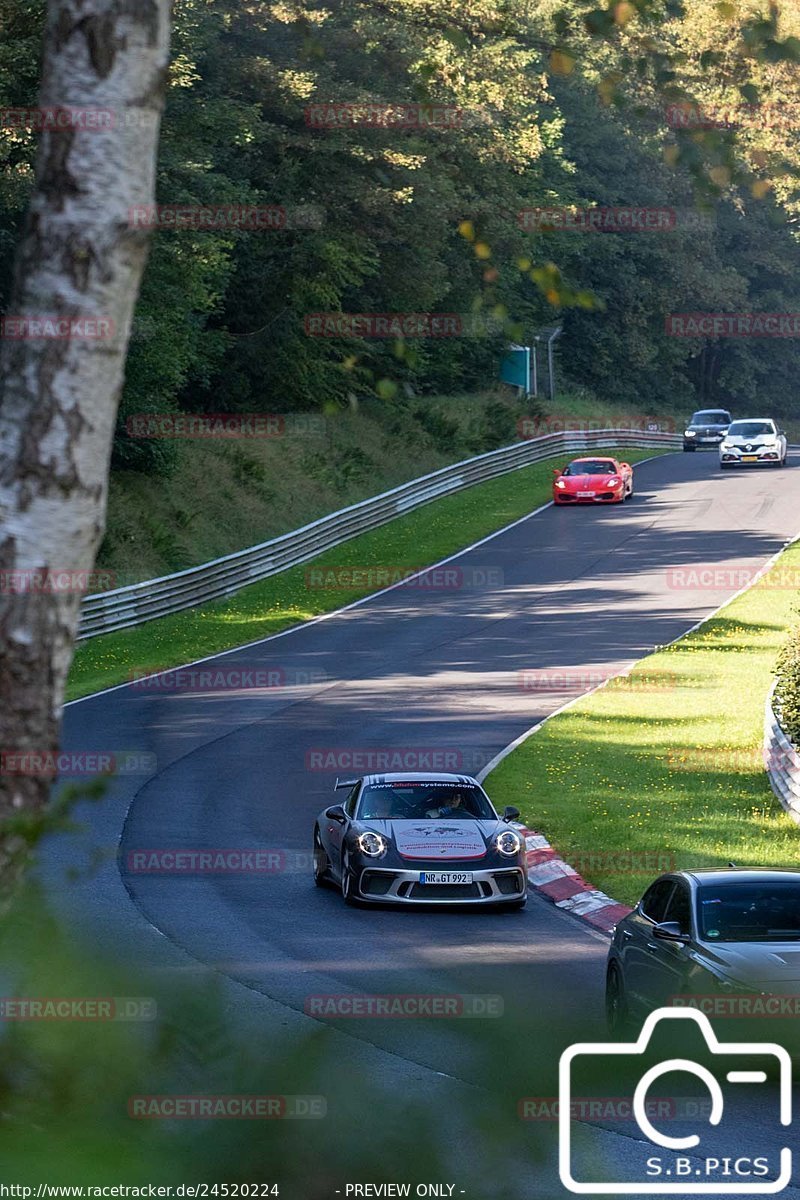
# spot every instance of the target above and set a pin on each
(723, 940)
(706, 428)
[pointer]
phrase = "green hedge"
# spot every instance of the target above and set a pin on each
(787, 689)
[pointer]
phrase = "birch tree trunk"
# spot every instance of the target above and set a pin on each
(78, 270)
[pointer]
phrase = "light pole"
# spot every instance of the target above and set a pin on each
(550, 368)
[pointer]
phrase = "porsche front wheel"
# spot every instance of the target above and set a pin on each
(347, 885)
(320, 861)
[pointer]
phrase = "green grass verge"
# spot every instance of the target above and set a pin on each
(423, 537)
(665, 765)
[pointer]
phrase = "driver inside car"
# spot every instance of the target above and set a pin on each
(453, 808)
(383, 807)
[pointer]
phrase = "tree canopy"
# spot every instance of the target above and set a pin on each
(413, 146)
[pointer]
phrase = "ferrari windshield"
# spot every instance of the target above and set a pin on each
(417, 801)
(711, 416)
(592, 466)
(750, 429)
(749, 912)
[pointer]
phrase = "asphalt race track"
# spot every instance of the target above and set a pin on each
(422, 668)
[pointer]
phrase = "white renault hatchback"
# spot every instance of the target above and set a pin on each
(755, 442)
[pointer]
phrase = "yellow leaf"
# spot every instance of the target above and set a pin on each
(482, 250)
(467, 230)
(760, 188)
(386, 389)
(561, 63)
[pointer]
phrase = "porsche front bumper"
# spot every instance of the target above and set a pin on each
(400, 885)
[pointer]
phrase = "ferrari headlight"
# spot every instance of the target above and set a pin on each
(372, 844)
(614, 480)
(560, 483)
(508, 843)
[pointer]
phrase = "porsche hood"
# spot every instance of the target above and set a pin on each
(438, 839)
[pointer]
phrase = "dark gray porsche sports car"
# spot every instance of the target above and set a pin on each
(420, 839)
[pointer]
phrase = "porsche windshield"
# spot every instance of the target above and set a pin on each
(750, 429)
(749, 912)
(592, 466)
(418, 801)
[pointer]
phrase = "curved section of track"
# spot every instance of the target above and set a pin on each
(429, 670)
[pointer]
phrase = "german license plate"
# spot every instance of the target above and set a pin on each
(749, 458)
(445, 877)
(585, 495)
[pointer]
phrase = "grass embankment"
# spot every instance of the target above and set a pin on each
(666, 763)
(418, 539)
(223, 495)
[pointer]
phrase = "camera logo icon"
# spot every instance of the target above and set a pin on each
(672, 1170)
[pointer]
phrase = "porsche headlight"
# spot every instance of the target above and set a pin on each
(372, 844)
(508, 843)
(560, 483)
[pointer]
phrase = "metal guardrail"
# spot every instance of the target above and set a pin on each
(126, 607)
(782, 761)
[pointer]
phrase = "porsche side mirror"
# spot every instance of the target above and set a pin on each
(336, 813)
(670, 931)
(510, 813)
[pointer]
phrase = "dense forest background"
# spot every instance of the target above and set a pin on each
(562, 104)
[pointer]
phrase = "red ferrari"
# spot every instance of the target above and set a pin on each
(593, 481)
